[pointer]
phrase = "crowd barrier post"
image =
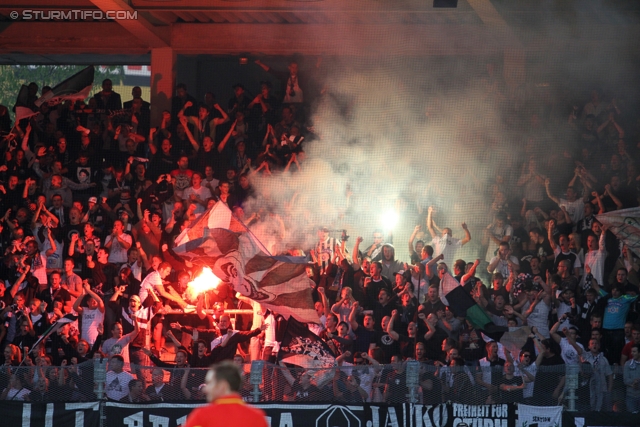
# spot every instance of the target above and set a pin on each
(257, 366)
(572, 386)
(413, 375)
(100, 376)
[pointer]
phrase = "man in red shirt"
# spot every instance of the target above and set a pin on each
(222, 384)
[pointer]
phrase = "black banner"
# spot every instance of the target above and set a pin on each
(334, 415)
(62, 414)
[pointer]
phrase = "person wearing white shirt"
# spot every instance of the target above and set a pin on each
(118, 242)
(197, 194)
(445, 244)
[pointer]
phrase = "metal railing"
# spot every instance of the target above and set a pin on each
(576, 387)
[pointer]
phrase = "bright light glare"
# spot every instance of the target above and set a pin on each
(202, 283)
(389, 219)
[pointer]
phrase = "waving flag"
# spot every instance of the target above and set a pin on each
(67, 318)
(460, 302)
(625, 224)
(218, 240)
(76, 87)
(303, 348)
(21, 109)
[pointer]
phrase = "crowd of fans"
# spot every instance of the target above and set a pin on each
(93, 196)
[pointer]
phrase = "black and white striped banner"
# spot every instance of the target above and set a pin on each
(62, 414)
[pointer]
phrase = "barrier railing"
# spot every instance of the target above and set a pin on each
(575, 387)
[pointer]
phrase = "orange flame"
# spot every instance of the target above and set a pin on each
(202, 283)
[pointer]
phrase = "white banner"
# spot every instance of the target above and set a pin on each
(539, 416)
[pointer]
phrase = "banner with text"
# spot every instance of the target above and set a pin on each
(60, 414)
(334, 415)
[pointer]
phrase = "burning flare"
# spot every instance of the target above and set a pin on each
(202, 283)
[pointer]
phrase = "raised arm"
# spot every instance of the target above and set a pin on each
(352, 316)
(223, 143)
(430, 222)
(393, 334)
(95, 296)
(547, 182)
(185, 124)
(219, 120)
(467, 234)
(614, 198)
(416, 230)
(469, 274)
(550, 228)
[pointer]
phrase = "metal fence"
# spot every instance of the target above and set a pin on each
(576, 387)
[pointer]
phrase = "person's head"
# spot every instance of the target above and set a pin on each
(497, 280)
(635, 352)
(203, 112)
(376, 269)
(412, 328)
(442, 269)
(82, 347)
(432, 293)
(103, 254)
(164, 269)
(183, 163)
(107, 85)
(383, 296)
(181, 358)
(157, 377)
(13, 353)
(343, 329)
(224, 187)
(617, 290)
(238, 360)
(448, 344)
(635, 333)
(136, 388)
(116, 363)
(319, 308)
(202, 348)
(420, 350)
(181, 90)
(225, 322)
(238, 89)
(499, 302)
(592, 241)
(388, 252)
(332, 322)
(55, 279)
(116, 330)
(621, 275)
(378, 237)
(369, 321)
(222, 379)
(547, 347)
(525, 357)
(427, 252)
(492, 349)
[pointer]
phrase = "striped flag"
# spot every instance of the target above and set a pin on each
(67, 318)
(625, 224)
(220, 241)
(301, 347)
(461, 304)
(76, 87)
